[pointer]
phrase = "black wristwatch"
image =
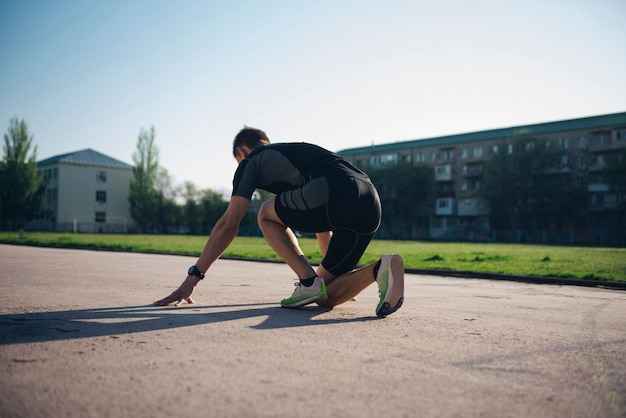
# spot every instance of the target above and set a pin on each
(195, 271)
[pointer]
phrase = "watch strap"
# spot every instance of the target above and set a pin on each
(195, 271)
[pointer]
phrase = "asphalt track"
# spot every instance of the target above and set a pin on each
(79, 338)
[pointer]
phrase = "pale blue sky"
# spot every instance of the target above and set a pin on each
(340, 73)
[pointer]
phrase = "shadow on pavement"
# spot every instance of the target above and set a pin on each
(85, 323)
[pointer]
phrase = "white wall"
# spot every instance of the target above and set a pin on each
(77, 186)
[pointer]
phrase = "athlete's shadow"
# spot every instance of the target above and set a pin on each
(85, 323)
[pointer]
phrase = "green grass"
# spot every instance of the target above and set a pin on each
(593, 263)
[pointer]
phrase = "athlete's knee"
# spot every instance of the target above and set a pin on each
(267, 212)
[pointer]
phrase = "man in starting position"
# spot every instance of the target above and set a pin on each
(316, 191)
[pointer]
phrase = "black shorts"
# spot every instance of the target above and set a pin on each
(348, 206)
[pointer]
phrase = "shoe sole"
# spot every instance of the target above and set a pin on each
(320, 296)
(305, 301)
(395, 288)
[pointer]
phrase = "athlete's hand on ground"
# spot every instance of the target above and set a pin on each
(183, 292)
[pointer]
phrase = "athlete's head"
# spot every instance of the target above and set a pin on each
(250, 138)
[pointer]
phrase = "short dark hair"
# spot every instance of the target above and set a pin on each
(250, 137)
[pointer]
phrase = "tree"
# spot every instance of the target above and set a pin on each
(213, 206)
(142, 195)
(616, 176)
(530, 188)
(21, 185)
(191, 216)
(407, 196)
(511, 183)
(168, 214)
(202, 208)
(500, 174)
(612, 218)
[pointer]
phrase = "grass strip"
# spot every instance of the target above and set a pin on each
(588, 263)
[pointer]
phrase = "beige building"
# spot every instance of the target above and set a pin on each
(578, 149)
(86, 191)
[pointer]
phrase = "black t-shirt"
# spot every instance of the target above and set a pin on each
(280, 167)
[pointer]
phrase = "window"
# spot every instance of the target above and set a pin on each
(510, 150)
(383, 159)
(433, 156)
(583, 144)
(463, 153)
(553, 161)
(101, 177)
(445, 206)
(442, 169)
(419, 158)
(478, 152)
(101, 217)
(388, 158)
(494, 149)
(51, 195)
(101, 196)
(563, 143)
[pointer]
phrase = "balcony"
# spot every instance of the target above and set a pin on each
(598, 187)
(558, 169)
(446, 193)
(600, 147)
(598, 167)
(443, 173)
(445, 206)
(472, 171)
(474, 207)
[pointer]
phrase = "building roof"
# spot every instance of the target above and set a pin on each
(85, 157)
(616, 120)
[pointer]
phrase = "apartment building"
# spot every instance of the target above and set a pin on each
(577, 150)
(86, 191)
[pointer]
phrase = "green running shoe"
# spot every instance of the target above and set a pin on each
(390, 279)
(304, 295)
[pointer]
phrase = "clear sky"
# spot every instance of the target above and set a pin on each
(339, 73)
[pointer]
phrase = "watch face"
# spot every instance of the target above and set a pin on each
(195, 271)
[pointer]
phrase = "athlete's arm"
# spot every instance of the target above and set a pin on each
(224, 232)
